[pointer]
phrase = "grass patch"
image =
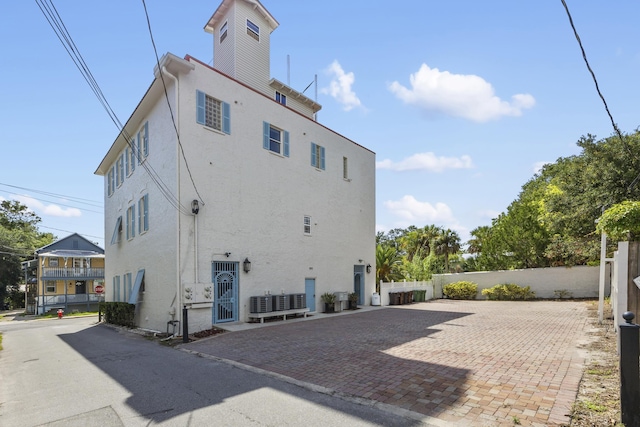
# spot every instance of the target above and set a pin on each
(595, 407)
(0, 341)
(600, 372)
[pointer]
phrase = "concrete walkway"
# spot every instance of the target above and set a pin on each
(444, 362)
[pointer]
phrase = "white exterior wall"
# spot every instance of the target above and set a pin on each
(580, 281)
(239, 55)
(252, 201)
(224, 53)
(252, 57)
(255, 200)
(154, 250)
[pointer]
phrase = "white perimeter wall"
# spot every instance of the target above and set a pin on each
(579, 281)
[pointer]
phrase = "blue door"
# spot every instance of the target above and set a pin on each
(310, 291)
(358, 282)
(225, 282)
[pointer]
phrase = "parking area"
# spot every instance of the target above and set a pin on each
(466, 363)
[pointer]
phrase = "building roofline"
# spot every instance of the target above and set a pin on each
(226, 4)
(37, 251)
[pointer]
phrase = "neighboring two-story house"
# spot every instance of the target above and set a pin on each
(68, 272)
(226, 187)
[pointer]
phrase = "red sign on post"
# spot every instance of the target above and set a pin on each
(99, 289)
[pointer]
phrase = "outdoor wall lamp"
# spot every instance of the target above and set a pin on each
(195, 207)
(368, 268)
(246, 265)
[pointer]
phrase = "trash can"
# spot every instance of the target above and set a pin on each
(395, 298)
(375, 299)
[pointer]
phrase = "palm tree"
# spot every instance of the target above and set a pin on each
(418, 242)
(387, 261)
(448, 242)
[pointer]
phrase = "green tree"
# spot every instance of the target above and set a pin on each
(19, 238)
(621, 222)
(447, 243)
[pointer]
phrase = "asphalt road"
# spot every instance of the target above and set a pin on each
(75, 372)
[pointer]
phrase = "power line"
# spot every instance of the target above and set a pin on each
(595, 81)
(606, 107)
(70, 232)
(56, 23)
(61, 204)
(47, 193)
(166, 95)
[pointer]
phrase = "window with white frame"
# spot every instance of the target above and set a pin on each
(253, 30)
(132, 156)
(223, 32)
(345, 168)
(80, 263)
(50, 286)
(307, 224)
(120, 170)
(143, 214)
(281, 98)
(115, 238)
(213, 113)
(143, 142)
(275, 139)
(131, 222)
(111, 180)
(129, 160)
(317, 156)
(53, 262)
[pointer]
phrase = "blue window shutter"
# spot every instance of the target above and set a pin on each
(146, 139)
(313, 154)
(286, 144)
(265, 136)
(200, 108)
(226, 118)
(133, 297)
(322, 158)
(146, 212)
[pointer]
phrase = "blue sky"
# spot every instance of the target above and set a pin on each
(461, 100)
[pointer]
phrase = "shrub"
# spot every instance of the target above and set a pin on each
(118, 313)
(509, 292)
(460, 290)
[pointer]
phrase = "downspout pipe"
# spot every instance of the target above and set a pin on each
(178, 300)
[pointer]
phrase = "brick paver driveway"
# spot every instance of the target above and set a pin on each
(467, 363)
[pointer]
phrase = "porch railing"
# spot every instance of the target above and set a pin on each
(72, 273)
(70, 299)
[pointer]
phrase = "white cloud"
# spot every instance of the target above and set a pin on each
(488, 214)
(51, 209)
(426, 161)
(414, 211)
(537, 166)
(340, 87)
(467, 96)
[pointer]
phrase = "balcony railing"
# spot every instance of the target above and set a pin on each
(72, 273)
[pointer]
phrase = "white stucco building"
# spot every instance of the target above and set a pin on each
(251, 177)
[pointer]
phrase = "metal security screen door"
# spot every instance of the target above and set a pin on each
(225, 280)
